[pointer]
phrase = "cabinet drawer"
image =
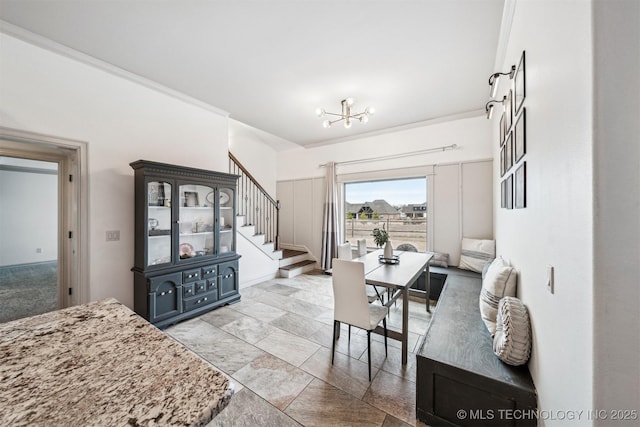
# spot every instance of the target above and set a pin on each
(212, 285)
(200, 286)
(209, 271)
(199, 301)
(188, 290)
(192, 275)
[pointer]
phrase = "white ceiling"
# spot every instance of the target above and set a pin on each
(271, 63)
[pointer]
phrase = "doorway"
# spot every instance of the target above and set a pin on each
(42, 224)
(29, 282)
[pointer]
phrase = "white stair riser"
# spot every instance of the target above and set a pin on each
(249, 231)
(295, 259)
(296, 271)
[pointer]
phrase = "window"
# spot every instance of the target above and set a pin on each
(399, 206)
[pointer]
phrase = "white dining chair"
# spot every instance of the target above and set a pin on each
(344, 251)
(362, 247)
(350, 304)
(373, 292)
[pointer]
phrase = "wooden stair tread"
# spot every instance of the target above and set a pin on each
(290, 253)
(298, 264)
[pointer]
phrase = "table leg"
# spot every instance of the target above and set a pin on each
(405, 323)
(428, 287)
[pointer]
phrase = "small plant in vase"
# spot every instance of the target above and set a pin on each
(381, 238)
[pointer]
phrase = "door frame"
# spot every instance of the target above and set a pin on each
(73, 202)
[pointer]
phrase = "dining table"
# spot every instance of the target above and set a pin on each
(398, 275)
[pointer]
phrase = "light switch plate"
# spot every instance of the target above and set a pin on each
(550, 279)
(113, 235)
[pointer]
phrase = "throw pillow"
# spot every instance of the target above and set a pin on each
(499, 282)
(512, 343)
(439, 260)
(485, 269)
(475, 253)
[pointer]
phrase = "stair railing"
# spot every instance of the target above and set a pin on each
(258, 208)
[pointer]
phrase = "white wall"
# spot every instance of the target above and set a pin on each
(556, 226)
(28, 217)
(255, 266)
(462, 204)
(121, 121)
(617, 206)
(301, 213)
(249, 146)
(298, 171)
(472, 135)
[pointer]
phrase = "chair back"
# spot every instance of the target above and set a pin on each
(350, 303)
(407, 247)
(344, 251)
(362, 247)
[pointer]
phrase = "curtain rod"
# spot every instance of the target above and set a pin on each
(396, 156)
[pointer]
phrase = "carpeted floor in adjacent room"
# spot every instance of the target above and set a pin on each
(28, 289)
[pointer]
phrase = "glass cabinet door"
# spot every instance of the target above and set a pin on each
(227, 223)
(158, 222)
(195, 221)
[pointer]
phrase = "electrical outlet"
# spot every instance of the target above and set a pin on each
(113, 235)
(38, 250)
(550, 279)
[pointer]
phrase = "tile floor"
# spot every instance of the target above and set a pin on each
(276, 346)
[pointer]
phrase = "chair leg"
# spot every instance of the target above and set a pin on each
(349, 333)
(384, 324)
(369, 352)
(380, 297)
(333, 343)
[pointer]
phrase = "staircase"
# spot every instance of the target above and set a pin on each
(294, 263)
(257, 239)
(258, 222)
(291, 262)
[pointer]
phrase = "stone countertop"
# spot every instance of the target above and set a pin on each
(102, 364)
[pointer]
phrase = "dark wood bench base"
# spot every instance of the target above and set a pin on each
(460, 381)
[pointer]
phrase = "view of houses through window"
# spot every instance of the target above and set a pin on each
(399, 206)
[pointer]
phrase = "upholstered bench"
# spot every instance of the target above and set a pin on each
(460, 381)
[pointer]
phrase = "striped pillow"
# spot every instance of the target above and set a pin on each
(499, 282)
(475, 253)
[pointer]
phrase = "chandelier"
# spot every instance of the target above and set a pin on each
(345, 115)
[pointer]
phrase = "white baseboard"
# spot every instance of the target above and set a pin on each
(258, 280)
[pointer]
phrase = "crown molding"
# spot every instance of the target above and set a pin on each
(430, 122)
(55, 47)
(505, 32)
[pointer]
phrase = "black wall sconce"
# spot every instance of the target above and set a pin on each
(488, 108)
(495, 77)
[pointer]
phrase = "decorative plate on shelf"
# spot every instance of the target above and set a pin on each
(209, 197)
(153, 223)
(186, 249)
(224, 198)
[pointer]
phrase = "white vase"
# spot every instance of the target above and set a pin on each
(388, 250)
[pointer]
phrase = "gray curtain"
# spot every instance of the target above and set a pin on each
(330, 225)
